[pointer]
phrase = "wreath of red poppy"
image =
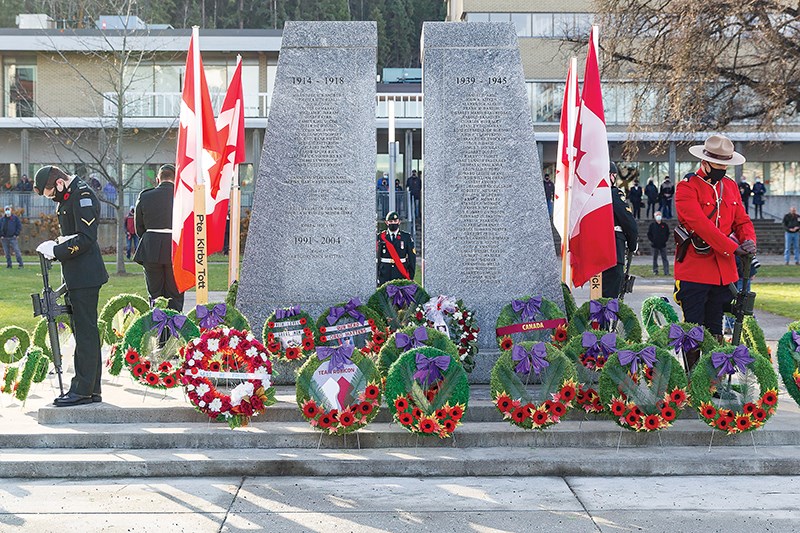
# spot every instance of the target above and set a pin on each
(231, 355)
(282, 334)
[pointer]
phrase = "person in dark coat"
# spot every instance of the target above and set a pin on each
(626, 231)
(396, 253)
(658, 235)
(635, 196)
(745, 191)
(10, 228)
(153, 221)
(549, 193)
(83, 271)
(665, 195)
(651, 191)
(414, 184)
(759, 190)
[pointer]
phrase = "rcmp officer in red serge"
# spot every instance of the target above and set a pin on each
(397, 257)
(84, 273)
(708, 205)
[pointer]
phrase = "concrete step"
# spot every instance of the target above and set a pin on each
(413, 462)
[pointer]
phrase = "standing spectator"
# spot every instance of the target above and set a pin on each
(658, 234)
(635, 196)
(651, 191)
(397, 185)
(110, 192)
(759, 190)
(25, 186)
(549, 193)
(10, 228)
(665, 195)
(130, 234)
(745, 191)
(414, 184)
(94, 183)
(791, 223)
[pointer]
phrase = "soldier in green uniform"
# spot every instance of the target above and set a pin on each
(397, 256)
(83, 271)
(627, 237)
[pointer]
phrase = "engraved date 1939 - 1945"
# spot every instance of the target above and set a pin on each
(472, 80)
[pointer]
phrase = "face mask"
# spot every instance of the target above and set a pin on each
(715, 174)
(393, 227)
(658, 219)
(8, 212)
(60, 194)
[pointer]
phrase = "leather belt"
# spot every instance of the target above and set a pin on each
(390, 260)
(161, 230)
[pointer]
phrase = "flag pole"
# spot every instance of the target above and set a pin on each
(596, 282)
(200, 241)
(571, 120)
(235, 203)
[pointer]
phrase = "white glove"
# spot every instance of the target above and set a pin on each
(46, 249)
(64, 238)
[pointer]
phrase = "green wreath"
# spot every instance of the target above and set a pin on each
(628, 326)
(231, 317)
(547, 310)
(657, 312)
(589, 366)
(295, 322)
(427, 405)
(569, 301)
(116, 359)
(648, 399)
(662, 339)
(753, 337)
(789, 361)
(112, 326)
(359, 406)
(138, 345)
(10, 380)
(35, 359)
(369, 345)
(41, 338)
(554, 395)
(19, 338)
(459, 321)
(397, 316)
(435, 339)
(741, 407)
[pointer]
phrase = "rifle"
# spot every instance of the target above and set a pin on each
(48, 307)
(744, 300)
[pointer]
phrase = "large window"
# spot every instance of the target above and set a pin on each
(20, 87)
(545, 25)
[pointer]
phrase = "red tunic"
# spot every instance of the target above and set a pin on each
(695, 199)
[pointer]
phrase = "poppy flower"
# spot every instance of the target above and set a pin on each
(558, 409)
(618, 408)
(652, 422)
(678, 396)
(419, 315)
(539, 417)
(430, 395)
(449, 426)
(303, 321)
(131, 357)
(292, 353)
(668, 414)
(503, 403)
(325, 421)
(723, 423)
(601, 361)
(581, 396)
(456, 412)
(169, 381)
(749, 407)
(270, 324)
(708, 411)
(371, 322)
(588, 361)
(346, 418)
(440, 413)
(405, 419)
(139, 370)
(274, 347)
(648, 373)
(323, 338)
(631, 419)
(725, 413)
(371, 392)
(427, 425)
(519, 415)
(760, 414)
(379, 338)
(548, 404)
(560, 334)
(416, 413)
(270, 337)
(401, 404)
(215, 366)
(323, 329)
(743, 422)
(152, 379)
(147, 364)
(506, 343)
(310, 409)
(567, 393)
(365, 408)
(636, 410)
(308, 344)
(770, 398)
(165, 366)
(595, 325)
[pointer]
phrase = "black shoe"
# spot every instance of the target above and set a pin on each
(70, 399)
(96, 398)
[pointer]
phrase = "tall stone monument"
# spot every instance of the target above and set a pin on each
(311, 240)
(487, 234)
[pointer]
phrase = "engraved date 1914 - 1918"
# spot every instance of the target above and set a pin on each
(308, 80)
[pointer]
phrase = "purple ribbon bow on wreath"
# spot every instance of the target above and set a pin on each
(645, 356)
(350, 308)
(429, 369)
(535, 358)
(286, 312)
(162, 320)
(603, 314)
(683, 340)
(527, 309)
(605, 345)
(416, 340)
(401, 295)
(728, 362)
(339, 356)
(213, 318)
(796, 339)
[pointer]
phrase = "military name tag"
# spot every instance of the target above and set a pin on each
(86, 202)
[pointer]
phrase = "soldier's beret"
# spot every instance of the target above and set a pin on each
(392, 215)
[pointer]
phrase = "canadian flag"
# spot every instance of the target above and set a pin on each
(195, 120)
(565, 167)
(592, 245)
(230, 130)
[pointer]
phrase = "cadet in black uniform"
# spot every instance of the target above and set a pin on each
(397, 257)
(627, 233)
(153, 220)
(83, 271)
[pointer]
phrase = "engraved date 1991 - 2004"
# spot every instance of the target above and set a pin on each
(305, 239)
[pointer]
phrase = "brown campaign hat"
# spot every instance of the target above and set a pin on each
(717, 149)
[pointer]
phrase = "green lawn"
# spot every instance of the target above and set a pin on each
(766, 271)
(779, 298)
